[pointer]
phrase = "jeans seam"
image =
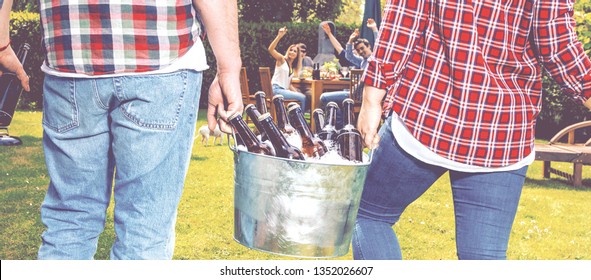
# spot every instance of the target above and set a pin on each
(97, 98)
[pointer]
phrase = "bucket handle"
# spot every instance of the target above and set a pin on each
(235, 147)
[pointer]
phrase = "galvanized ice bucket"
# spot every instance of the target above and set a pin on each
(295, 208)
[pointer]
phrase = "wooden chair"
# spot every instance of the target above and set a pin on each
(247, 98)
(267, 88)
(578, 154)
(356, 89)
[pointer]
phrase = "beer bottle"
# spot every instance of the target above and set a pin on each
(312, 146)
(282, 148)
(329, 131)
(281, 115)
(349, 141)
(254, 114)
(318, 118)
(316, 72)
(261, 102)
(11, 89)
(252, 143)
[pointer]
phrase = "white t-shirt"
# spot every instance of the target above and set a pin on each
(419, 151)
(194, 59)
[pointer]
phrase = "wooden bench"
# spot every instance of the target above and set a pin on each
(579, 154)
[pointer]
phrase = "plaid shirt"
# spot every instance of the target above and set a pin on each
(98, 37)
(465, 77)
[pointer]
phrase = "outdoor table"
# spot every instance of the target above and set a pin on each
(317, 87)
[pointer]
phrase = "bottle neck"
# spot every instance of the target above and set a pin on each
(331, 116)
(275, 136)
(318, 120)
(244, 132)
(299, 122)
(280, 113)
(261, 104)
(349, 117)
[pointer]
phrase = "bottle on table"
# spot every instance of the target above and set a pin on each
(312, 146)
(349, 140)
(316, 71)
(282, 148)
(247, 136)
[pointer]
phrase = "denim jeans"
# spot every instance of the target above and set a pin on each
(133, 131)
(337, 97)
(484, 204)
(288, 94)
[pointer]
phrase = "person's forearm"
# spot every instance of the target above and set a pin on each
(273, 44)
(221, 23)
(5, 8)
(335, 43)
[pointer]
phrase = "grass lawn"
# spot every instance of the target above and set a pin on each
(552, 222)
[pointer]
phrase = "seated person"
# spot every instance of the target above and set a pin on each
(359, 61)
(286, 67)
(306, 60)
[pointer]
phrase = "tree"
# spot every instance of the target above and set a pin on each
(266, 10)
(289, 10)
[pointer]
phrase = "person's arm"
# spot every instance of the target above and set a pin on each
(220, 19)
(274, 53)
(371, 24)
(560, 51)
(349, 55)
(370, 115)
(335, 43)
(8, 59)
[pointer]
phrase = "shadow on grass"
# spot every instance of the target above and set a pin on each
(557, 184)
(198, 158)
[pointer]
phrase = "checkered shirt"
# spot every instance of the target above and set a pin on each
(465, 76)
(97, 37)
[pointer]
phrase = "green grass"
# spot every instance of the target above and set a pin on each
(552, 222)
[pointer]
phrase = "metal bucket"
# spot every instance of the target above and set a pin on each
(295, 208)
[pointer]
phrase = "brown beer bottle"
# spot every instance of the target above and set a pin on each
(281, 115)
(254, 114)
(329, 131)
(312, 146)
(11, 89)
(318, 118)
(349, 141)
(261, 102)
(282, 147)
(252, 143)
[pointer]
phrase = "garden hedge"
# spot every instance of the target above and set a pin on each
(559, 110)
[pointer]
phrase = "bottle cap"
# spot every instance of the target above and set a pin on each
(260, 93)
(293, 107)
(319, 111)
(278, 96)
(332, 104)
(348, 100)
(235, 115)
(290, 104)
(264, 116)
(248, 106)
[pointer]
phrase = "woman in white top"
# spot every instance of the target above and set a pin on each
(286, 67)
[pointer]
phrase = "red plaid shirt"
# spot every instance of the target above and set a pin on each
(98, 37)
(465, 76)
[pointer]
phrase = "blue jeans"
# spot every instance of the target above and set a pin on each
(135, 130)
(337, 97)
(288, 94)
(484, 203)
